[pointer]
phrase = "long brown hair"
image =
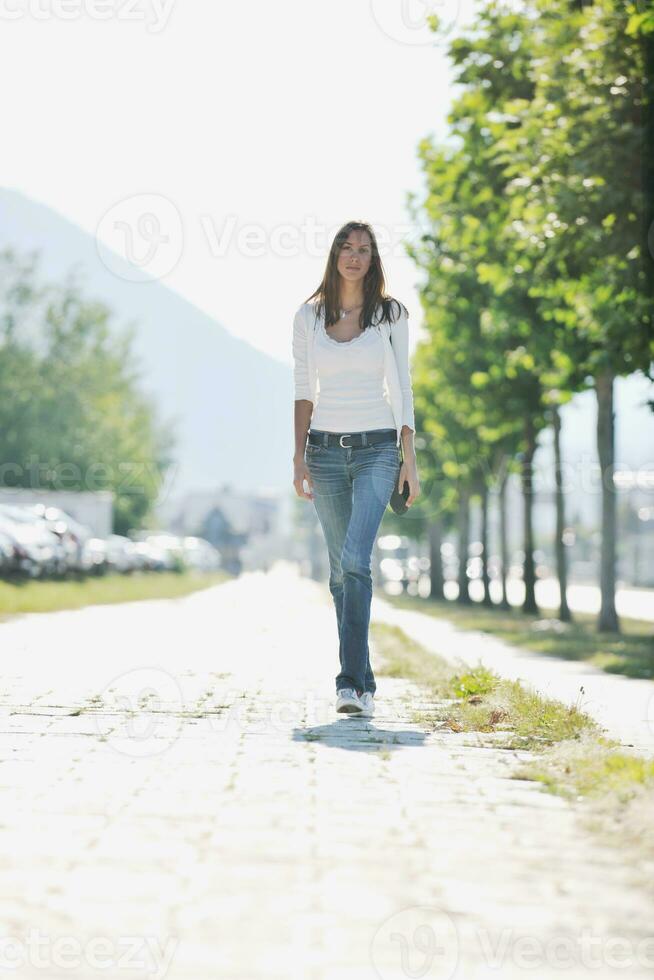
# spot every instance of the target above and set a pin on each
(375, 297)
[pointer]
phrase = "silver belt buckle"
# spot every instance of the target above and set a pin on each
(344, 436)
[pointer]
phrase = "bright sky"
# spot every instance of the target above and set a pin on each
(248, 132)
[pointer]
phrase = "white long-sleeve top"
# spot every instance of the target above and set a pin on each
(311, 383)
(351, 377)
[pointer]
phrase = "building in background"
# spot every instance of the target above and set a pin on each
(247, 529)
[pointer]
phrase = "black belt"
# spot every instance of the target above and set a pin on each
(350, 439)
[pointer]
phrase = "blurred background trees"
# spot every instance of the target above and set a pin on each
(536, 255)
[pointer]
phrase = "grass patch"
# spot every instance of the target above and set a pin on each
(477, 699)
(49, 596)
(572, 757)
(594, 768)
(617, 786)
(630, 653)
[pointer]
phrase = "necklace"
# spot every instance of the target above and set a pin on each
(344, 313)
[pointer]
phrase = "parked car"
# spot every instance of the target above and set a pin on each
(18, 557)
(72, 534)
(94, 556)
(120, 553)
(200, 554)
(168, 547)
(40, 550)
(6, 553)
(38, 540)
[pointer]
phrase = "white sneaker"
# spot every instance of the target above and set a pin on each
(368, 701)
(347, 701)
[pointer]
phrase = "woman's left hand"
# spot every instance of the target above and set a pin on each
(409, 472)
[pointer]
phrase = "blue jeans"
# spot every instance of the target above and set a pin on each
(351, 490)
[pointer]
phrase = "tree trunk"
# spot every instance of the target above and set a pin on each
(435, 560)
(528, 569)
(561, 557)
(464, 540)
(485, 578)
(647, 156)
(608, 619)
(504, 549)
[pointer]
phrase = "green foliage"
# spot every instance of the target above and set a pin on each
(630, 653)
(537, 275)
(479, 680)
(477, 699)
(596, 768)
(72, 415)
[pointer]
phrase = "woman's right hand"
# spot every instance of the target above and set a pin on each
(300, 474)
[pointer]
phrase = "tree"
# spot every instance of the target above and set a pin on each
(577, 197)
(72, 416)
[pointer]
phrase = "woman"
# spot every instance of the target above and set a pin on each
(342, 349)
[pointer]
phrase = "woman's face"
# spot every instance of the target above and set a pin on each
(355, 256)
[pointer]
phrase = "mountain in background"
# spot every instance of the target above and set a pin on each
(234, 404)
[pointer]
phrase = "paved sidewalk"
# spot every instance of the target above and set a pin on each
(179, 799)
(630, 602)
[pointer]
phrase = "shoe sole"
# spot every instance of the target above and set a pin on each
(349, 709)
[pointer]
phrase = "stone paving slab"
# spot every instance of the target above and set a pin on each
(178, 798)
